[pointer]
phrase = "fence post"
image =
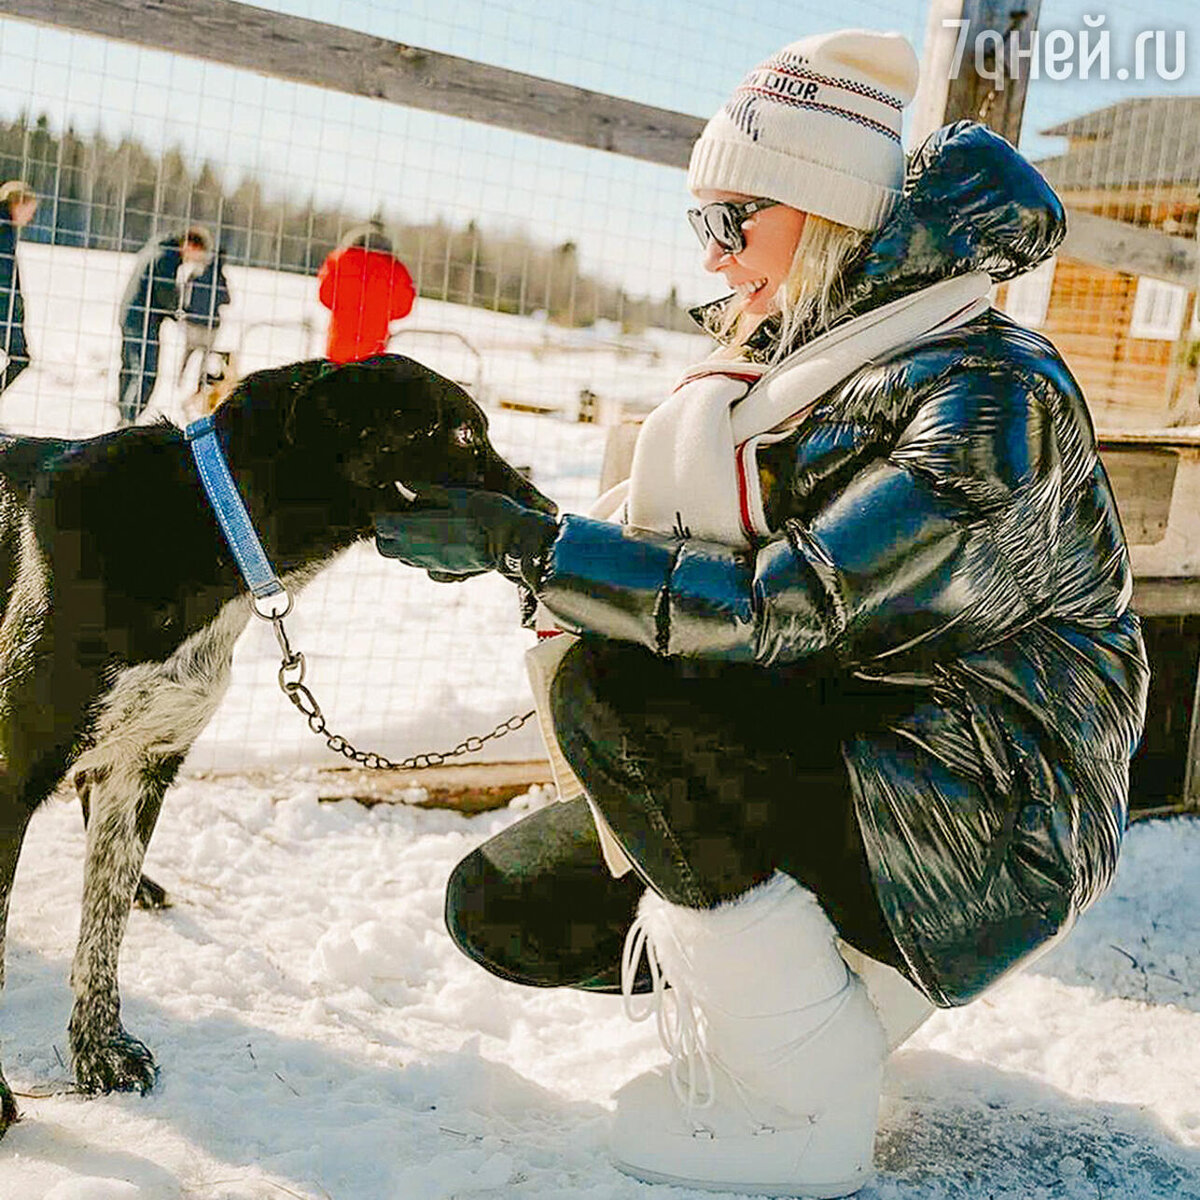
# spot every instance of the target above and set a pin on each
(952, 88)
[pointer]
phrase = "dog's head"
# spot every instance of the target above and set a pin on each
(387, 427)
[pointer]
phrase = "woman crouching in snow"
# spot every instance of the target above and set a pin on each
(854, 678)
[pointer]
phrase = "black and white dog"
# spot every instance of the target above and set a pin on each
(121, 604)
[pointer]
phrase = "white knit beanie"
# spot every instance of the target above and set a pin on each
(817, 127)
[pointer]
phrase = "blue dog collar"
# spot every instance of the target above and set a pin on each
(230, 510)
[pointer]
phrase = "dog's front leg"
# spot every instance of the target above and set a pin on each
(147, 723)
(149, 895)
(12, 834)
(106, 1057)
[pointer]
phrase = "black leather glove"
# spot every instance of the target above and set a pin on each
(454, 533)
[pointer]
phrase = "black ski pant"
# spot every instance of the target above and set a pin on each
(711, 777)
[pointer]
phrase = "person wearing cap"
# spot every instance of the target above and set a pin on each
(18, 204)
(153, 295)
(365, 287)
(849, 684)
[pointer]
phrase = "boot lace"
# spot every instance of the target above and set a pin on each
(674, 1012)
(679, 1020)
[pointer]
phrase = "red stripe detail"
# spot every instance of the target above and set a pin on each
(744, 495)
(740, 376)
(818, 106)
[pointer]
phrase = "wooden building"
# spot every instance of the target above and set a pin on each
(1133, 342)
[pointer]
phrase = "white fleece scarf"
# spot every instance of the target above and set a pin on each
(694, 465)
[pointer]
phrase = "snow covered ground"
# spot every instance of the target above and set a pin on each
(318, 1034)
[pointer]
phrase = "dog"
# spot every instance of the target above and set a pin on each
(218, 378)
(120, 605)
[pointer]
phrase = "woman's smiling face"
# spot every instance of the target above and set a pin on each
(757, 271)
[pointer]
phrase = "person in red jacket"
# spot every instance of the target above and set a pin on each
(365, 287)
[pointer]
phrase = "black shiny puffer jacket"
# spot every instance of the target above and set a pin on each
(943, 521)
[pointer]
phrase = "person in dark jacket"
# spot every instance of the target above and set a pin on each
(850, 677)
(18, 204)
(203, 295)
(365, 287)
(152, 296)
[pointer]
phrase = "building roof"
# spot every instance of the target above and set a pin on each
(1131, 144)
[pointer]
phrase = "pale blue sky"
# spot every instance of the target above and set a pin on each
(627, 217)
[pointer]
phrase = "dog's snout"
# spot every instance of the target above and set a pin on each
(499, 476)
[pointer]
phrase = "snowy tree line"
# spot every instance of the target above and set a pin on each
(117, 194)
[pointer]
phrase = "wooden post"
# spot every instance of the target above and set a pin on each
(1191, 775)
(952, 88)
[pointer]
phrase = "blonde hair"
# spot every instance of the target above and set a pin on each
(810, 294)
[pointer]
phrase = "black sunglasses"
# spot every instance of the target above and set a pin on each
(722, 222)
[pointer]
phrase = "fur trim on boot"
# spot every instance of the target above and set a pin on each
(777, 1052)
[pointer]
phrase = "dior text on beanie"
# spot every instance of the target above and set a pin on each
(817, 127)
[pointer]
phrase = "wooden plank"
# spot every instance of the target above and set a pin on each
(1166, 596)
(329, 56)
(1148, 203)
(1187, 438)
(1120, 246)
(976, 98)
(466, 787)
(1142, 478)
(947, 95)
(1191, 775)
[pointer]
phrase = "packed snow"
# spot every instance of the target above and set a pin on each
(318, 1034)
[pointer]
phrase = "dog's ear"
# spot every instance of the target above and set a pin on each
(367, 415)
(258, 414)
(307, 400)
(392, 396)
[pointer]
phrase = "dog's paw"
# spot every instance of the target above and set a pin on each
(150, 895)
(117, 1063)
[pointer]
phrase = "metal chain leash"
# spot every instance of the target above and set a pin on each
(291, 683)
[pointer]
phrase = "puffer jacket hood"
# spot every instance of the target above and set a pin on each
(970, 203)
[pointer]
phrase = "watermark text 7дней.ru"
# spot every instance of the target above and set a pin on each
(1063, 54)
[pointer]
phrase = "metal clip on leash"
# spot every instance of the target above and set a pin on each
(291, 683)
(266, 588)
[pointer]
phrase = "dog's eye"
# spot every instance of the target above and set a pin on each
(464, 435)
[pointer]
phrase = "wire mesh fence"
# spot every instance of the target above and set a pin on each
(551, 279)
(1111, 124)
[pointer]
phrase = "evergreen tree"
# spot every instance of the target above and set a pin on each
(117, 196)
